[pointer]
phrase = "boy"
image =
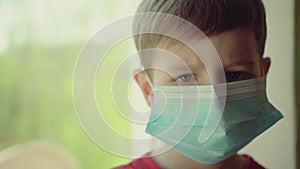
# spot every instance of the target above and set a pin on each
(237, 31)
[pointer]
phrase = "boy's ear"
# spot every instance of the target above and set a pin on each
(266, 65)
(144, 83)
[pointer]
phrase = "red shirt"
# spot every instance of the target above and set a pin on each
(147, 162)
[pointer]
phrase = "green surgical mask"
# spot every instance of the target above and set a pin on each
(208, 126)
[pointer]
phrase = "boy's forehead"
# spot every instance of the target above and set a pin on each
(174, 59)
(182, 52)
(172, 55)
(236, 46)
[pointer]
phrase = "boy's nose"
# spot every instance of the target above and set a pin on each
(211, 78)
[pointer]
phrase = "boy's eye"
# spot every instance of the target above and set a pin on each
(237, 76)
(187, 78)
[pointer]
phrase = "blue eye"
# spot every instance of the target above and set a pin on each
(237, 76)
(187, 78)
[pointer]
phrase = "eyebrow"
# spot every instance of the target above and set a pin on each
(239, 63)
(175, 68)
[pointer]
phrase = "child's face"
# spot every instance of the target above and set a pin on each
(237, 51)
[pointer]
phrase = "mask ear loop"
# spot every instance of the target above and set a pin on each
(150, 97)
(262, 71)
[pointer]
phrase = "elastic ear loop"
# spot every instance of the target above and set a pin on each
(262, 71)
(150, 97)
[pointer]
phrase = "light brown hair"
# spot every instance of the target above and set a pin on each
(210, 16)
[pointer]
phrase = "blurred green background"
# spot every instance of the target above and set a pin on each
(39, 44)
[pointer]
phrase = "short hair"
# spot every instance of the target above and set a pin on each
(210, 16)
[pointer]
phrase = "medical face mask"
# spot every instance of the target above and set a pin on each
(207, 124)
